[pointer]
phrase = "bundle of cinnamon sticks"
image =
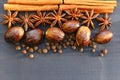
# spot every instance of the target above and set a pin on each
(99, 6)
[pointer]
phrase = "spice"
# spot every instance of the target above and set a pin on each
(48, 47)
(18, 48)
(27, 21)
(57, 17)
(45, 51)
(73, 47)
(88, 17)
(39, 51)
(41, 18)
(24, 52)
(31, 56)
(31, 50)
(81, 50)
(101, 55)
(60, 51)
(73, 14)
(93, 50)
(10, 18)
(104, 22)
(23, 45)
(104, 51)
(36, 48)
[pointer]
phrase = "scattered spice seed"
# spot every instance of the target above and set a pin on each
(18, 48)
(65, 46)
(53, 47)
(94, 46)
(45, 51)
(73, 47)
(39, 51)
(104, 51)
(17, 44)
(101, 55)
(59, 47)
(31, 50)
(23, 45)
(47, 44)
(48, 47)
(24, 52)
(81, 50)
(55, 50)
(36, 48)
(27, 48)
(93, 50)
(31, 56)
(67, 43)
(60, 51)
(56, 44)
(71, 43)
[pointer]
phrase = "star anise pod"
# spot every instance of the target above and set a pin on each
(27, 21)
(41, 18)
(73, 14)
(10, 19)
(57, 17)
(105, 22)
(88, 18)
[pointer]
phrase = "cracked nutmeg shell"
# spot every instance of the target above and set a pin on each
(103, 37)
(55, 34)
(14, 34)
(83, 36)
(70, 26)
(34, 37)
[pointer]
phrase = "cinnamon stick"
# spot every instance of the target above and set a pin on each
(17, 7)
(97, 9)
(32, 2)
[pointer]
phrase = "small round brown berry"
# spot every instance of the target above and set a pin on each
(54, 50)
(48, 47)
(74, 47)
(24, 52)
(36, 48)
(31, 56)
(27, 48)
(60, 51)
(94, 46)
(53, 47)
(18, 48)
(81, 50)
(39, 51)
(104, 51)
(47, 44)
(31, 50)
(101, 55)
(59, 47)
(45, 51)
(23, 45)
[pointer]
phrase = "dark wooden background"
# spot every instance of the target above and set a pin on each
(68, 66)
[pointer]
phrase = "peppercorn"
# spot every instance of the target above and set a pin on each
(23, 45)
(59, 47)
(39, 51)
(45, 51)
(60, 51)
(54, 50)
(48, 47)
(93, 50)
(94, 46)
(47, 44)
(73, 47)
(18, 48)
(36, 48)
(71, 43)
(101, 55)
(27, 48)
(104, 51)
(24, 52)
(53, 47)
(31, 50)
(31, 56)
(81, 50)
(67, 43)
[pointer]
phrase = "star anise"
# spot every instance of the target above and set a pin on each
(88, 18)
(41, 18)
(27, 21)
(10, 19)
(105, 22)
(73, 14)
(57, 17)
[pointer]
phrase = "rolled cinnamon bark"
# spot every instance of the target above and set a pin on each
(40, 2)
(97, 9)
(17, 7)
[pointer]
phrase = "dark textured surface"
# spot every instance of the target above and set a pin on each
(14, 66)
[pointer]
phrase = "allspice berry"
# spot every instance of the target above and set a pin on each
(60, 51)
(81, 50)
(36, 48)
(31, 50)
(45, 51)
(24, 52)
(104, 51)
(31, 56)
(18, 48)
(39, 51)
(101, 55)
(93, 50)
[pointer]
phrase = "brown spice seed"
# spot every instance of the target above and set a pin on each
(74, 47)
(48, 47)
(31, 50)
(71, 43)
(67, 43)
(94, 46)
(24, 52)
(65, 46)
(31, 56)
(60, 51)
(17, 44)
(47, 44)
(39, 51)
(101, 55)
(27, 48)
(54, 50)
(59, 47)
(53, 47)
(81, 50)
(93, 50)
(45, 51)
(104, 51)
(23, 45)
(36, 48)
(18, 48)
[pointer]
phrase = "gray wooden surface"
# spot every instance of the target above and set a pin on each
(14, 66)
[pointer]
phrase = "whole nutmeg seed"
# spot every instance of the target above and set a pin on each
(34, 37)
(14, 34)
(83, 36)
(70, 26)
(103, 37)
(55, 34)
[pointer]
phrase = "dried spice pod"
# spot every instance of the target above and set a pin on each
(70, 26)
(103, 37)
(83, 36)
(55, 34)
(34, 37)
(14, 34)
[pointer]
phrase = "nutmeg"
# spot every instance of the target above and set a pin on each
(70, 26)
(103, 37)
(55, 34)
(14, 34)
(34, 37)
(83, 36)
